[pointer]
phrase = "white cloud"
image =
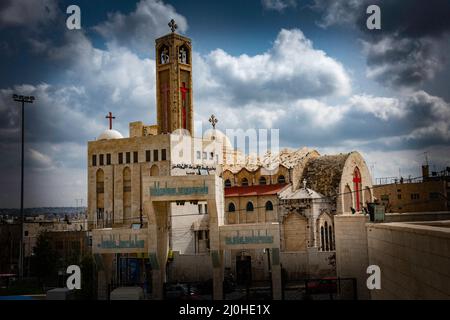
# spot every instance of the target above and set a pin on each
(278, 5)
(291, 70)
(139, 29)
(382, 107)
(27, 13)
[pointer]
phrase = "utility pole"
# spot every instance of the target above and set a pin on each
(23, 100)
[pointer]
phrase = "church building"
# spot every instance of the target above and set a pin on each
(165, 206)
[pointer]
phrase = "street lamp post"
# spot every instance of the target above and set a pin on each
(23, 100)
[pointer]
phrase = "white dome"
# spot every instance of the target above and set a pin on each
(110, 134)
(214, 134)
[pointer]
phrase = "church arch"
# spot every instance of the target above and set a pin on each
(269, 206)
(357, 187)
(262, 181)
(231, 207)
(281, 179)
(244, 182)
(249, 207)
(227, 183)
(295, 234)
(325, 232)
(154, 170)
(348, 199)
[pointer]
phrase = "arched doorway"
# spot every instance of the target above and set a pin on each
(154, 171)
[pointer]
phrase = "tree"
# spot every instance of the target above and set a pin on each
(46, 259)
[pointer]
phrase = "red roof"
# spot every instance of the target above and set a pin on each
(257, 190)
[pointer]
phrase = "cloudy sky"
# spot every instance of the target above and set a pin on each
(309, 68)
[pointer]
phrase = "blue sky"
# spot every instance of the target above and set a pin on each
(309, 68)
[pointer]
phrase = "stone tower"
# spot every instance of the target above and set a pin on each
(174, 82)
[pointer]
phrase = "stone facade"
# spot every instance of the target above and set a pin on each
(420, 196)
(414, 259)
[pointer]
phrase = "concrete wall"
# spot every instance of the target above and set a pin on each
(190, 267)
(351, 250)
(414, 260)
(417, 216)
(308, 264)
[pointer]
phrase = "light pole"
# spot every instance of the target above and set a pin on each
(23, 100)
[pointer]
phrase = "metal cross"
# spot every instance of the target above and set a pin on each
(213, 121)
(110, 117)
(173, 26)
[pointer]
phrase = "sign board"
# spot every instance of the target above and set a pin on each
(119, 241)
(157, 190)
(250, 236)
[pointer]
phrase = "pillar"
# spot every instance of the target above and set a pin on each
(276, 274)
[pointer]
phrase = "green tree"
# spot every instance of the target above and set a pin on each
(46, 259)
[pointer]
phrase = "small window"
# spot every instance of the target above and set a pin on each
(249, 206)
(269, 206)
(244, 182)
(200, 209)
(135, 157)
(206, 208)
(128, 157)
(227, 183)
(26, 233)
(155, 155)
(281, 179)
(399, 196)
(262, 181)
(434, 195)
(101, 160)
(211, 156)
(163, 155)
(120, 158)
(108, 159)
(94, 160)
(415, 196)
(199, 155)
(231, 207)
(384, 197)
(147, 156)
(205, 156)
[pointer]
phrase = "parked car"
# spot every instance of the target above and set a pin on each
(324, 285)
(180, 291)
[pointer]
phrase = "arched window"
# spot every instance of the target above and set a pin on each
(154, 171)
(322, 239)
(231, 207)
(357, 188)
(269, 206)
(164, 55)
(281, 179)
(227, 183)
(249, 206)
(330, 235)
(100, 182)
(262, 180)
(244, 182)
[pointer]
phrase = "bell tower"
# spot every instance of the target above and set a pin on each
(174, 82)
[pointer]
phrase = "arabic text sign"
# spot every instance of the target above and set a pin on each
(119, 241)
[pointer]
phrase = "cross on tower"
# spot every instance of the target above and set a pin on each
(110, 117)
(213, 120)
(173, 26)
